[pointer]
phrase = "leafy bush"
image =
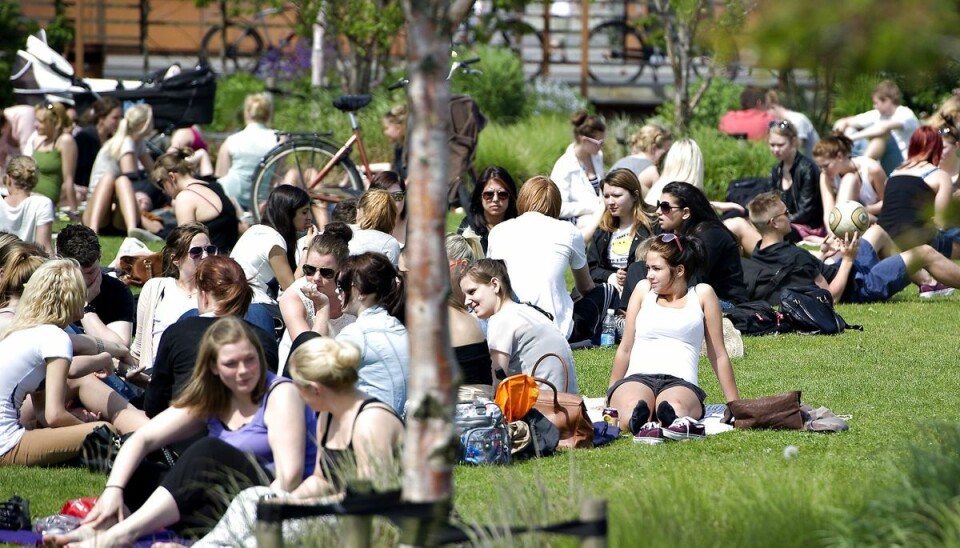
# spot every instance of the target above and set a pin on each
(501, 88)
(723, 95)
(726, 159)
(853, 97)
(527, 148)
(228, 103)
(554, 97)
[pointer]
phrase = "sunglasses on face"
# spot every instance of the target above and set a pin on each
(501, 195)
(310, 270)
(598, 142)
(197, 252)
(665, 207)
(668, 237)
(398, 196)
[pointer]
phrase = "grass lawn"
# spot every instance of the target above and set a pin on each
(734, 489)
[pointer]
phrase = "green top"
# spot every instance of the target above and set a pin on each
(49, 174)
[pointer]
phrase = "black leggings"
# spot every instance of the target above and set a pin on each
(589, 311)
(208, 475)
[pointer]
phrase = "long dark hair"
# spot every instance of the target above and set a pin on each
(702, 214)
(373, 273)
(282, 205)
(477, 221)
(688, 251)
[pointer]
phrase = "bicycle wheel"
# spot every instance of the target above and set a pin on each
(241, 52)
(524, 40)
(296, 162)
(616, 53)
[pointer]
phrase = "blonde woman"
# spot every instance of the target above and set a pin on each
(376, 217)
(241, 152)
(29, 216)
(55, 152)
(683, 162)
(37, 356)
(647, 146)
(116, 166)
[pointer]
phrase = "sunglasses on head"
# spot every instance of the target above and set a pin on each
(500, 194)
(665, 207)
(310, 270)
(198, 251)
(668, 237)
(782, 124)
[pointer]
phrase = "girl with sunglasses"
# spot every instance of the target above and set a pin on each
(393, 184)
(164, 299)
(197, 201)
(579, 171)
(311, 303)
(493, 201)
(654, 380)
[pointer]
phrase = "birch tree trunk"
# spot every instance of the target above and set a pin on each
(430, 446)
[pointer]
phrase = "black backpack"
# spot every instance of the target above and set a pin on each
(741, 191)
(757, 318)
(809, 310)
(764, 282)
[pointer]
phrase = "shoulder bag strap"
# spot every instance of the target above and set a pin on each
(566, 379)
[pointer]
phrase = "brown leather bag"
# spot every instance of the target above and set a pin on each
(565, 410)
(780, 412)
(135, 270)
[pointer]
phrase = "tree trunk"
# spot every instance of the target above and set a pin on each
(430, 445)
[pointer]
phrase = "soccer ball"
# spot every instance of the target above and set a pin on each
(849, 217)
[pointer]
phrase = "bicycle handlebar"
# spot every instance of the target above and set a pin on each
(401, 83)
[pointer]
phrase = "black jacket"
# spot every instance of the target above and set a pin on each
(803, 197)
(598, 257)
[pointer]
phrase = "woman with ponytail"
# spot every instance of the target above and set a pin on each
(196, 200)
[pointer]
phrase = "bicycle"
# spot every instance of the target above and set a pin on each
(488, 25)
(241, 44)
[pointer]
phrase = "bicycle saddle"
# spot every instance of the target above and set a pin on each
(351, 103)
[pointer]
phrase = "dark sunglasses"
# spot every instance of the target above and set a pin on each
(310, 270)
(668, 237)
(398, 196)
(501, 194)
(197, 252)
(665, 207)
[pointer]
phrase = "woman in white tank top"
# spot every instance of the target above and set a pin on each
(654, 377)
(844, 178)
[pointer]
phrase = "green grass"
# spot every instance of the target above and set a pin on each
(735, 489)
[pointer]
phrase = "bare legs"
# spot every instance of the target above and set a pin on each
(97, 214)
(632, 396)
(160, 510)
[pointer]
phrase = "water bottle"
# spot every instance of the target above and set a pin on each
(608, 336)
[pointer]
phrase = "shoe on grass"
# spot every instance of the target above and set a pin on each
(649, 434)
(684, 428)
(935, 290)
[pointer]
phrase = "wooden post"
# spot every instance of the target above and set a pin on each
(593, 509)
(357, 531)
(584, 44)
(144, 22)
(545, 62)
(78, 38)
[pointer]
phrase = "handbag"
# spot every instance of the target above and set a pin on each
(780, 412)
(565, 410)
(135, 270)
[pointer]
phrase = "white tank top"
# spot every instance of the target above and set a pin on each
(868, 195)
(668, 340)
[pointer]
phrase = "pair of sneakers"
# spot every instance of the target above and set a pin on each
(683, 428)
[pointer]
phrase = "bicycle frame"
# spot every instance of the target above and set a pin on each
(345, 151)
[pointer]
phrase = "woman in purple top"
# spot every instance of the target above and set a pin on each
(247, 411)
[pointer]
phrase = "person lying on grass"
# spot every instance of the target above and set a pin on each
(37, 356)
(654, 377)
(256, 435)
(860, 275)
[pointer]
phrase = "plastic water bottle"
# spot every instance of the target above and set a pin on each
(608, 335)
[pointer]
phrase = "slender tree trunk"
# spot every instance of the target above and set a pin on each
(430, 445)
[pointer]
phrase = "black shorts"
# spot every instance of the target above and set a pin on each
(659, 383)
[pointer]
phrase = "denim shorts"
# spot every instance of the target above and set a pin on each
(659, 383)
(876, 280)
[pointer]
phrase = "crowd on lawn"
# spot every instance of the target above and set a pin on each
(274, 355)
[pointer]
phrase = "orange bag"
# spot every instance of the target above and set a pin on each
(516, 396)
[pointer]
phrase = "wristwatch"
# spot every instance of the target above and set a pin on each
(89, 308)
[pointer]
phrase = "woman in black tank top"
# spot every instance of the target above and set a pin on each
(359, 436)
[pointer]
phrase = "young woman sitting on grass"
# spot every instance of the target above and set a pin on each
(518, 334)
(376, 218)
(654, 377)
(29, 216)
(467, 337)
(37, 358)
(257, 434)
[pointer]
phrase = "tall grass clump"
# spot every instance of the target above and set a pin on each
(499, 88)
(726, 159)
(527, 148)
(921, 505)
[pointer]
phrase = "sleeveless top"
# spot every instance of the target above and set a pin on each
(251, 438)
(668, 340)
(907, 207)
(49, 173)
(223, 228)
(335, 462)
(474, 360)
(868, 194)
(247, 148)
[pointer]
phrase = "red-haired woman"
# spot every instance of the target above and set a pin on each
(914, 188)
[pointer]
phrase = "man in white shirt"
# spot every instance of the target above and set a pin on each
(873, 131)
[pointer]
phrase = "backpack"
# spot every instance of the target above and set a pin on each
(757, 318)
(764, 282)
(484, 434)
(466, 123)
(741, 191)
(809, 309)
